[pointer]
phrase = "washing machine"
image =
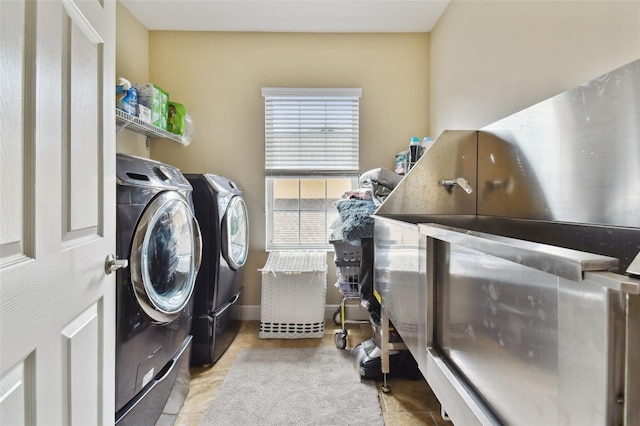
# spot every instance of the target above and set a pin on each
(222, 214)
(158, 234)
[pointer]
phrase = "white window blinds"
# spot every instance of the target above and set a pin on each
(311, 131)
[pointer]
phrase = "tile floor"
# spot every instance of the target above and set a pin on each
(410, 402)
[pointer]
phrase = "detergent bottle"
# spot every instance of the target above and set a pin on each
(126, 97)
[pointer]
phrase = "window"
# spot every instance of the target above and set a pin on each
(311, 160)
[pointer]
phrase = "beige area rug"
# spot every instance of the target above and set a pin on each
(304, 386)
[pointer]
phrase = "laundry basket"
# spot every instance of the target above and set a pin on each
(294, 291)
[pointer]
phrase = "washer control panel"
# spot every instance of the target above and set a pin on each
(143, 171)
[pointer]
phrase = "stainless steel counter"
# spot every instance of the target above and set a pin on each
(536, 330)
(399, 274)
(508, 260)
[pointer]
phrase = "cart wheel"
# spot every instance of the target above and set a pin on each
(340, 339)
(337, 317)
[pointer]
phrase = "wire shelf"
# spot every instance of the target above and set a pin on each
(130, 122)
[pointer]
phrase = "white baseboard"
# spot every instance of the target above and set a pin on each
(247, 312)
(252, 312)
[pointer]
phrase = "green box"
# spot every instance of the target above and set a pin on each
(157, 100)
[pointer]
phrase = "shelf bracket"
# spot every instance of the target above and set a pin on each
(120, 126)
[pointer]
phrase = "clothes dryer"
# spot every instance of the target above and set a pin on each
(222, 214)
(158, 233)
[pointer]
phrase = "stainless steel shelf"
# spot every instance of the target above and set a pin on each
(134, 124)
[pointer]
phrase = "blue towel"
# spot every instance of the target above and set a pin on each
(356, 220)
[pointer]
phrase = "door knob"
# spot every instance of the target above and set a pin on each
(111, 264)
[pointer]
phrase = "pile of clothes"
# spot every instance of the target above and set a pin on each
(354, 220)
(381, 182)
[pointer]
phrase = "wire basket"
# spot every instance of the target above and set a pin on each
(348, 280)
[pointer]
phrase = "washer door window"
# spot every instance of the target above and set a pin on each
(165, 257)
(235, 233)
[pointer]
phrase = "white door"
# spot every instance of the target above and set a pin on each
(57, 212)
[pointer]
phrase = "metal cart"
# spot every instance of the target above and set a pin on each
(347, 258)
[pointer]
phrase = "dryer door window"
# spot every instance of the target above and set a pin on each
(165, 257)
(235, 231)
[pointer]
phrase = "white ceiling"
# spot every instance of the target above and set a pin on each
(288, 15)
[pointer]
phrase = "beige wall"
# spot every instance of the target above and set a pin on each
(132, 63)
(218, 77)
(490, 59)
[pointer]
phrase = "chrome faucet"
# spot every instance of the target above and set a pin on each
(461, 182)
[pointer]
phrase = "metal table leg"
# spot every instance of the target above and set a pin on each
(384, 332)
